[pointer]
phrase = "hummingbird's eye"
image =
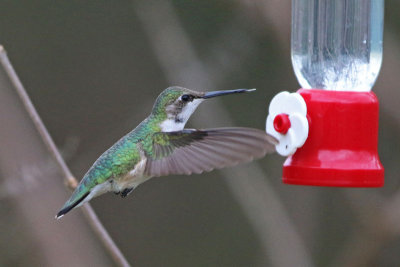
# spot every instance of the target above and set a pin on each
(186, 98)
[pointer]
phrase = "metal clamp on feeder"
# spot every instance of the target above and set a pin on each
(329, 129)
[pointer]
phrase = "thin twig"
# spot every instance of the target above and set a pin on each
(104, 236)
(259, 201)
(69, 179)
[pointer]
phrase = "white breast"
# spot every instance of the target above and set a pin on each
(170, 125)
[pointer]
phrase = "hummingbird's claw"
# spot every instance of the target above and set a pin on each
(126, 192)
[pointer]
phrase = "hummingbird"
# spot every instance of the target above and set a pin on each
(160, 146)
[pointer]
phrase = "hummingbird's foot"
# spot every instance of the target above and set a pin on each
(126, 192)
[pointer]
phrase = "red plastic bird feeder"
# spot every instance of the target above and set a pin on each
(329, 129)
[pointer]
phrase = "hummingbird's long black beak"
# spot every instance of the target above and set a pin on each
(225, 92)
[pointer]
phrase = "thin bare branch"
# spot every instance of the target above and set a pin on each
(256, 196)
(104, 236)
(69, 179)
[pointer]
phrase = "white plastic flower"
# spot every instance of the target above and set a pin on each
(287, 122)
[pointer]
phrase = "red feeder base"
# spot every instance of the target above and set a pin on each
(341, 148)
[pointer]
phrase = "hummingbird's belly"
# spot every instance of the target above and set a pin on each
(133, 178)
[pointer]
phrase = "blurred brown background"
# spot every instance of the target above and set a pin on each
(93, 70)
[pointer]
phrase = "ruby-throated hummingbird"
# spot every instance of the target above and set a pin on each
(160, 146)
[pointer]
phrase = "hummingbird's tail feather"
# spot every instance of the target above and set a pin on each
(68, 207)
(84, 193)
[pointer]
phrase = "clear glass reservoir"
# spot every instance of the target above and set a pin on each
(337, 44)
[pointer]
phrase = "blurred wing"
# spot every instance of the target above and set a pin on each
(196, 151)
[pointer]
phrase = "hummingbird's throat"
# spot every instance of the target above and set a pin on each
(176, 120)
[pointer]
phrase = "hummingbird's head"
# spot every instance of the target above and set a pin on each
(177, 104)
